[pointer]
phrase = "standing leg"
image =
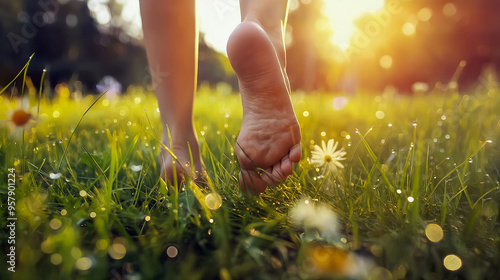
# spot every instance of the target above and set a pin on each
(171, 40)
(269, 140)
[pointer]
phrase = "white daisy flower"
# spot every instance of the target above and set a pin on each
(327, 157)
(316, 216)
(19, 117)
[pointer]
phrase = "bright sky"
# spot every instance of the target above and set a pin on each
(217, 18)
(342, 14)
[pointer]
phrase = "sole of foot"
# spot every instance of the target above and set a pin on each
(269, 140)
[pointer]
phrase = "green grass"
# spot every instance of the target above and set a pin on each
(429, 147)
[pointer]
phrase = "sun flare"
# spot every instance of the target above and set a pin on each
(343, 13)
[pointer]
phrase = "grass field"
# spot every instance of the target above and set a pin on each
(418, 198)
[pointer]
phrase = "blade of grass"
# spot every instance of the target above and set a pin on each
(40, 94)
(23, 69)
(24, 75)
(76, 128)
(483, 143)
(375, 159)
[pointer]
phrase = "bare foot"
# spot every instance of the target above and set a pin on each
(183, 165)
(269, 140)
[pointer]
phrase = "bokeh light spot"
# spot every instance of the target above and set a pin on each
(172, 252)
(449, 9)
(434, 232)
(56, 114)
(380, 115)
(117, 251)
(452, 262)
(408, 29)
(76, 252)
(380, 273)
(386, 61)
(47, 246)
(83, 193)
(101, 244)
(424, 14)
(55, 224)
(84, 263)
(56, 259)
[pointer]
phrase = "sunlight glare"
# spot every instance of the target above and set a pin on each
(342, 14)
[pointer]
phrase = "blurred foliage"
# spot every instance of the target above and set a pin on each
(70, 43)
(439, 35)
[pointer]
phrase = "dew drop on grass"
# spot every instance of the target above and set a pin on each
(136, 168)
(213, 201)
(414, 123)
(54, 176)
(470, 160)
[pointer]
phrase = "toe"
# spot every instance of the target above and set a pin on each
(278, 174)
(251, 182)
(295, 153)
(286, 165)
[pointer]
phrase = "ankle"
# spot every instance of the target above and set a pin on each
(179, 138)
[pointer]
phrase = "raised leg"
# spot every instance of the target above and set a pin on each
(269, 140)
